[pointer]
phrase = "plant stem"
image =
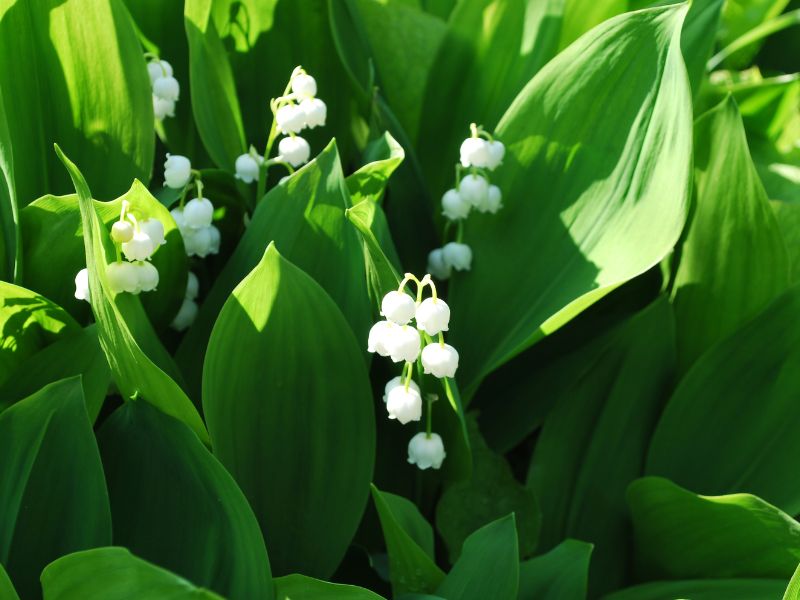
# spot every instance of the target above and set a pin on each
(766, 29)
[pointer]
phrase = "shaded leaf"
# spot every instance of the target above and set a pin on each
(300, 587)
(704, 589)
(561, 573)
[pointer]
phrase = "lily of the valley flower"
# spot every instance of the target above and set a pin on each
(294, 150)
(82, 284)
(188, 311)
(247, 167)
(177, 171)
(458, 256)
(437, 265)
(398, 307)
(455, 206)
(403, 404)
(426, 451)
(439, 359)
(166, 89)
(433, 316)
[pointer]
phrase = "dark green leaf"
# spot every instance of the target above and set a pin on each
(711, 589)
(7, 591)
(10, 255)
(300, 587)
(409, 519)
(561, 573)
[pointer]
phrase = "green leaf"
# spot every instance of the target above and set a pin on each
(712, 436)
(711, 589)
(739, 17)
(733, 261)
(561, 573)
(134, 373)
(28, 323)
(114, 574)
(793, 591)
(7, 591)
(382, 156)
(305, 217)
(680, 535)
(594, 441)
(411, 568)
(300, 587)
(300, 437)
(490, 493)
(10, 254)
(153, 464)
(53, 497)
(488, 568)
(76, 354)
(603, 194)
(581, 16)
(85, 87)
(409, 519)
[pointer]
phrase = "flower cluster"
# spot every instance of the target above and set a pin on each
(194, 218)
(188, 311)
(402, 341)
(137, 241)
(480, 154)
(166, 89)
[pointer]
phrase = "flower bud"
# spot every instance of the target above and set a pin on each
(140, 247)
(198, 213)
(192, 286)
(380, 337)
(473, 189)
(426, 452)
(404, 343)
(247, 168)
(122, 231)
(167, 88)
(123, 277)
(439, 360)
(458, 256)
(454, 207)
(177, 171)
(404, 405)
(186, 315)
(82, 285)
(148, 276)
(304, 85)
(494, 199)
(290, 118)
(437, 265)
(163, 108)
(474, 152)
(315, 112)
(398, 307)
(396, 381)
(496, 151)
(433, 316)
(294, 150)
(154, 230)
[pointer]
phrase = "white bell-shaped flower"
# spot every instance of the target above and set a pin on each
(198, 213)
(398, 307)
(404, 405)
(454, 206)
(381, 337)
(186, 315)
(394, 382)
(426, 452)
(494, 199)
(473, 189)
(315, 111)
(163, 108)
(154, 230)
(439, 360)
(140, 246)
(201, 242)
(458, 256)
(290, 118)
(123, 277)
(177, 171)
(474, 152)
(122, 231)
(157, 69)
(192, 286)
(437, 265)
(304, 85)
(404, 344)
(82, 285)
(167, 88)
(247, 168)
(214, 239)
(496, 151)
(433, 316)
(148, 276)
(294, 150)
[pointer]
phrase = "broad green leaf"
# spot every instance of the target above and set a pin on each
(488, 568)
(300, 587)
(680, 535)
(382, 157)
(134, 373)
(7, 591)
(53, 497)
(76, 354)
(739, 17)
(561, 573)
(28, 322)
(407, 516)
(55, 222)
(713, 438)
(793, 591)
(733, 260)
(115, 574)
(85, 88)
(596, 172)
(704, 589)
(582, 15)
(305, 217)
(411, 568)
(10, 254)
(153, 464)
(788, 217)
(491, 492)
(300, 437)
(594, 441)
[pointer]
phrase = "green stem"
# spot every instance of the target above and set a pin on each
(460, 232)
(763, 30)
(428, 425)
(408, 370)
